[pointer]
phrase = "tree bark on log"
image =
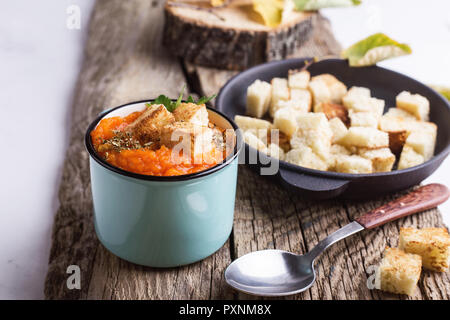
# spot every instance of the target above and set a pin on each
(233, 43)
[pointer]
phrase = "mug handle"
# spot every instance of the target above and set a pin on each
(314, 187)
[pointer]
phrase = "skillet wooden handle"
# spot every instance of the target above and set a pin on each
(423, 198)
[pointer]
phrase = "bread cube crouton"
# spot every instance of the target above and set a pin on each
(280, 91)
(275, 151)
(259, 94)
(304, 156)
(285, 119)
(352, 164)
(354, 95)
(320, 92)
(398, 272)
(336, 88)
(301, 97)
(245, 123)
(298, 79)
(409, 158)
(254, 142)
(357, 92)
(193, 113)
(382, 159)
(338, 129)
(333, 110)
(365, 104)
(396, 112)
(432, 244)
(416, 104)
(302, 106)
(313, 131)
(190, 138)
(422, 142)
(335, 151)
(147, 127)
(363, 119)
(365, 137)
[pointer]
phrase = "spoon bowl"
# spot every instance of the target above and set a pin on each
(271, 273)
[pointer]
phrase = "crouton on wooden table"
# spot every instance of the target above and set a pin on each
(398, 272)
(432, 244)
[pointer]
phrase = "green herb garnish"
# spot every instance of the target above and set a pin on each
(172, 105)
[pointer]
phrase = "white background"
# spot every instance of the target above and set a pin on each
(39, 62)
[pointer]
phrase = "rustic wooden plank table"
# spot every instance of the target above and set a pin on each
(124, 62)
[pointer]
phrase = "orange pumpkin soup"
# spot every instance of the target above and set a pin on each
(121, 148)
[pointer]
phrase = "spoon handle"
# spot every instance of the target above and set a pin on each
(423, 198)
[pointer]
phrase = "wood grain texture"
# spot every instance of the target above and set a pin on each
(421, 199)
(228, 39)
(124, 62)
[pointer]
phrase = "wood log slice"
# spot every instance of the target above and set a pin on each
(229, 38)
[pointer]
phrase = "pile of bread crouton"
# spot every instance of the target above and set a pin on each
(324, 126)
(400, 268)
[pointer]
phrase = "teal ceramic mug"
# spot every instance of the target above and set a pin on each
(163, 221)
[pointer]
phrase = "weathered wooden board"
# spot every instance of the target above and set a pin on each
(124, 62)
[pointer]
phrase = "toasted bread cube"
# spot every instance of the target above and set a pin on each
(409, 158)
(275, 151)
(333, 110)
(422, 142)
(358, 92)
(432, 244)
(193, 113)
(259, 94)
(382, 159)
(253, 141)
(285, 120)
(396, 112)
(190, 138)
(315, 132)
(416, 104)
(354, 95)
(319, 91)
(352, 164)
(363, 119)
(397, 140)
(398, 272)
(244, 123)
(299, 105)
(304, 156)
(302, 97)
(392, 124)
(365, 137)
(336, 88)
(280, 91)
(147, 127)
(365, 104)
(338, 129)
(335, 151)
(298, 79)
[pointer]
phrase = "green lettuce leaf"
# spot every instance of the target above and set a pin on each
(172, 105)
(374, 48)
(309, 5)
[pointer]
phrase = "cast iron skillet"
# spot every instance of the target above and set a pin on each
(384, 84)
